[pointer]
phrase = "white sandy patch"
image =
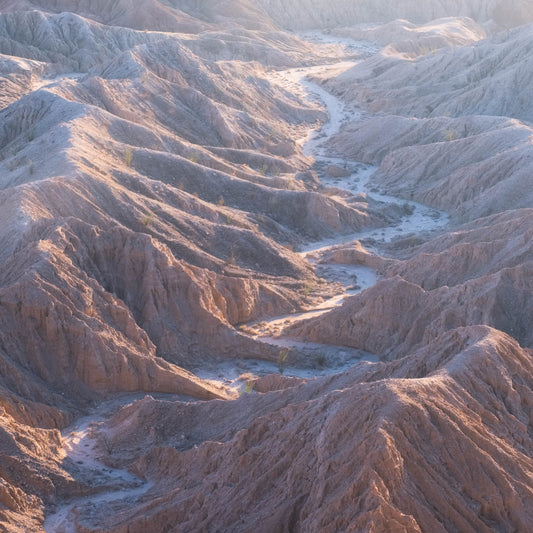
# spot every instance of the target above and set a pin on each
(110, 484)
(418, 218)
(44, 83)
(296, 81)
(354, 277)
(422, 219)
(63, 521)
(322, 360)
(350, 46)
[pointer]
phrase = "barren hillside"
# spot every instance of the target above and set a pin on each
(258, 280)
(300, 14)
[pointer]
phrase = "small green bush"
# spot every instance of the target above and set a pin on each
(450, 135)
(147, 219)
(282, 360)
(128, 156)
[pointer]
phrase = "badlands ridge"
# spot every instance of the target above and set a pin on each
(214, 319)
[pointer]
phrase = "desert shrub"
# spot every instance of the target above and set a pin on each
(408, 208)
(247, 388)
(308, 286)
(147, 219)
(128, 156)
(282, 360)
(450, 135)
(321, 360)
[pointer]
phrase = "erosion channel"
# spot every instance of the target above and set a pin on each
(83, 451)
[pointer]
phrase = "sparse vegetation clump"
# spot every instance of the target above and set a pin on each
(230, 219)
(408, 209)
(450, 135)
(13, 165)
(248, 330)
(230, 261)
(128, 156)
(247, 387)
(147, 219)
(426, 50)
(282, 360)
(308, 286)
(321, 360)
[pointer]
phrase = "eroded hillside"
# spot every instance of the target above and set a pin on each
(214, 319)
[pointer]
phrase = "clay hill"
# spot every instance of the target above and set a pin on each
(301, 14)
(162, 218)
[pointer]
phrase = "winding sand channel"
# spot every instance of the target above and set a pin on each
(419, 218)
(80, 444)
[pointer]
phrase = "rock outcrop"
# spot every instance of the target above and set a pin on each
(346, 453)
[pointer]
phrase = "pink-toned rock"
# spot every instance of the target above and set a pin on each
(354, 254)
(398, 447)
(153, 191)
(337, 172)
(275, 382)
(394, 316)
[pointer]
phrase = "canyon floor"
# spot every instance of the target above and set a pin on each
(265, 275)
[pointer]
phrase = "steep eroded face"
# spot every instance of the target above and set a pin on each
(265, 279)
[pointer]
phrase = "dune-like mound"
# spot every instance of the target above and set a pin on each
(175, 17)
(466, 253)
(396, 316)
(473, 163)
